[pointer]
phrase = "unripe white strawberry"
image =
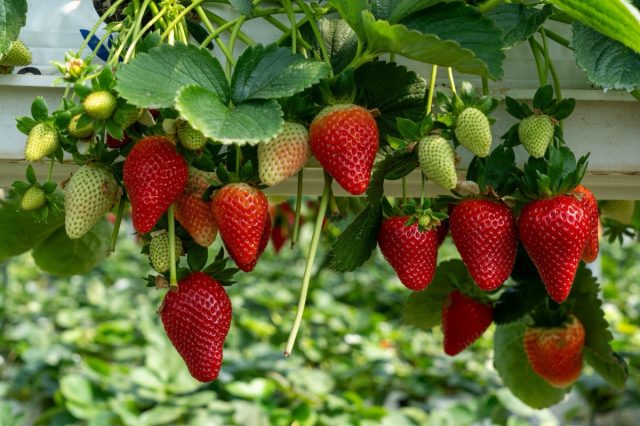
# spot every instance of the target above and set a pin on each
(190, 138)
(474, 131)
(88, 195)
(620, 210)
(438, 161)
(159, 251)
(41, 142)
(285, 155)
(33, 199)
(17, 56)
(100, 105)
(77, 132)
(535, 133)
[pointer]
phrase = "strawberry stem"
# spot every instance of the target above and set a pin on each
(452, 82)
(173, 280)
(296, 223)
(432, 88)
(538, 59)
(324, 200)
(116, 225)
(50, 169)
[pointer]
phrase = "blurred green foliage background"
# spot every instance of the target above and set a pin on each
(90, 350)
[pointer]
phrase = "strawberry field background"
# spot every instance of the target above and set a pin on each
(89, 350)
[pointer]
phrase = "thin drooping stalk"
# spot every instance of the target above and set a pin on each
(324, 200)
(93, 30)
(452, 82)
(432, 87)
(173, 279)
(296, 223)
(116, 225)
(538, 59)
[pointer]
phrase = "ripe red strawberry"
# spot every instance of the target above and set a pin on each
(344, 139)
(464, 320)
(154, 175)
(411, 252)
(554, 232)
(555, 354)
(197, 317)
(590, 206)
(484, 233)
(196, 217)
(283, 221)
(240, 211)
(114, 143)
(264, 240)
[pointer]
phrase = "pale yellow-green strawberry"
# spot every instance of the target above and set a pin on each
(190, 138)
(17, 56)
(131, 116)
(33, 199)
(100, 105)
(41, 142)
(438, 161)
(89, 194)
(80, 133)
(284, 155)
(159, 251)
(535, 133)
(474, 131)
(620, 210)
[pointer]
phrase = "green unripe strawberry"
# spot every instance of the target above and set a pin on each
(159, 251)
(80, 133)
(438, 161)
(190, 138)
(131, 116)
(620, 210)
(41, 142)
(33, 199)
(535, 133)
(88, 195)
(474, 131)
(100, 105)
(17, 56)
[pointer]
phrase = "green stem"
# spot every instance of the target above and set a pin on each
(488, 5)
(155, 11)
(452, 82)
(50, 169)
(558, 38)
(243, 37)
(232, 41)
(324, 200)
(485, 86)
(104, 16)
(538, 59)
(296, 223)
(100, 43)
(316, 32)
(545, 52)
(432, 87)
(213, 34)
(286, 32)
(422, 188)
(138, 36)
(292, 22)
(116, 225)
(173, 279)
(238, 160)
(180, 16)
(182, 33)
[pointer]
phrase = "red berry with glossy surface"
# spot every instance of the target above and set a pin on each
(155, 176)
(555, 354)
(264, 241)
(114, 143)
(485, 234)
(196, 217)
(344, 139)
(197, 317)
(411, 252)
(464, 320)
(554, 232)
(590, 206)
(241, 211)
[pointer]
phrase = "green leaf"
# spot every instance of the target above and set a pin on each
(519, 300)
(423, 309)
(25, 124)
(76, 388)
(395, 10)
(39, 110)
(148, 42)
(61, 256)
(197, 257)
(13, 16)
(153, 79)
(273, 72)
(340, 40)
(584, 303)
(395, 91)
(351, 11)
(356, 243)
(543, 96)
(244, 7)
(20, 232)
(465, 25)
(105, 78)
(511, 362)
(382, 36)
(518, 22)
(608, 63)
(565, 108)
(31, 175)
(250, 122)
(617, 19)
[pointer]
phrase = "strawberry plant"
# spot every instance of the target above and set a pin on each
(191, 118)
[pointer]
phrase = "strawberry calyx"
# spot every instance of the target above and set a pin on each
(423, 214)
